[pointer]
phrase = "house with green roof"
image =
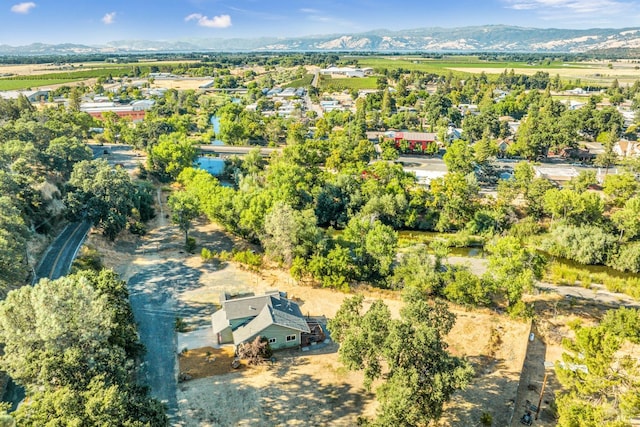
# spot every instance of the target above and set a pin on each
(271, 315)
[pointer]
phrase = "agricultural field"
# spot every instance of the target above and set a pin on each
(303, 82)
(597, 72)
(33, 76)
(6, 84)
(327, 83)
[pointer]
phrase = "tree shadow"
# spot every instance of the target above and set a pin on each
(302, 400)
(492, 390)
(292, 391)
(555, 305)
(534, 379)
(151, 293)
(195, 313)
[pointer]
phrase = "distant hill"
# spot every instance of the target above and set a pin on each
(489, 38)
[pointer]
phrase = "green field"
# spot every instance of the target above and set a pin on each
(438, 65)
(81, 74)
(597, 72)
(303, 82)
(32, 83)
(327, 83)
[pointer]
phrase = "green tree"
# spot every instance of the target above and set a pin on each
(582, 182)
(373, 246)
(13, 246)
(608, 158)
(101, 194)
(454, 198)
(54, 328)
(64, 152)
(184, 209)
(600, 382)
(512, 270)
(626, 219)
(289, 233)
(171, 155)
(409, 353)
(75, 97)
(417, 269)
(464, 287)
(620, 187)
(485, 148)
(72, 343)
(586, 244)
(459, 158)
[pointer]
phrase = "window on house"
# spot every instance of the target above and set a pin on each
(291, 338)
(272, 340)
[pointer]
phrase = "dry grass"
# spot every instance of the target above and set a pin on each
(206, 362)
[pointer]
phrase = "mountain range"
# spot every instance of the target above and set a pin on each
(489, 38)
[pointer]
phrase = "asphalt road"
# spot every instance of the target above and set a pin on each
(410, 162)
(61, 253)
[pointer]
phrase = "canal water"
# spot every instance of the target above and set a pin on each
(215, 123)
(476, 250)
(213, 165)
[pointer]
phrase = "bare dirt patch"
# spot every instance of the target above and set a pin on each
(296, 390)
(206, 362)
(181, 83)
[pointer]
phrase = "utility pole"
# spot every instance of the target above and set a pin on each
(544, 383)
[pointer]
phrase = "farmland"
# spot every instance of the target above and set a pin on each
(597, 72)
(30, 76)
(340, 84)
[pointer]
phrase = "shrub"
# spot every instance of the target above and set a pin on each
(190, 246)
(584, 244)
(255, 352)
(486, 419)
(206, 254)
(627, 258)
(525, 228)
(464, 287)
(89, 259)
(248, 258)
(138, 228)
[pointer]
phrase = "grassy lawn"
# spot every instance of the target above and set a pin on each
(327, 83)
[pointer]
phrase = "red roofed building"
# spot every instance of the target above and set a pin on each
(416, 140)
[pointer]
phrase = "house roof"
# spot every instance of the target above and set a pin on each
(416, 136)
(287, 315)
(219, 321)
(239, 308)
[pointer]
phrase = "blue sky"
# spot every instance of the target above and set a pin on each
(96, 22)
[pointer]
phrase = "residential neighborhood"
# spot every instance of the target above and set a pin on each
(278, 215)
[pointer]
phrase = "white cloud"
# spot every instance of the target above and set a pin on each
(220, 21)
(109, 18)
(582, 7)
(308, 10)
(23, 7)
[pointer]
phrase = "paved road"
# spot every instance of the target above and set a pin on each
(61, 253)
(410, 162)
(235, 149)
